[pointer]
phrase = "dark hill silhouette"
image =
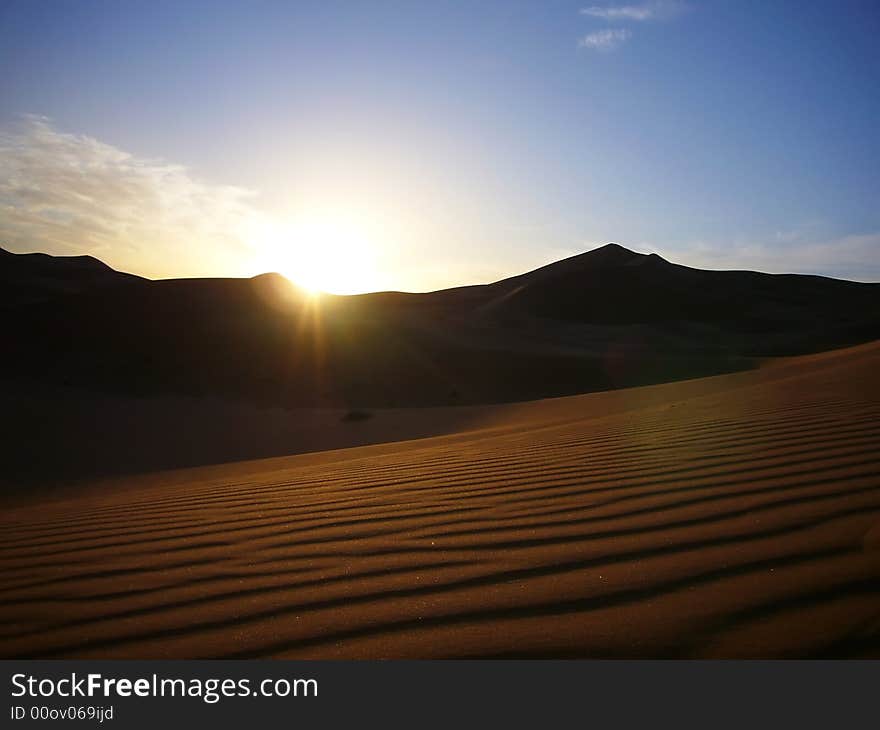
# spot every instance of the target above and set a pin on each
(604, 319)
(34, 277)
(615, 286)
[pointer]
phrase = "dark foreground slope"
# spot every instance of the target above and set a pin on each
(733, 516)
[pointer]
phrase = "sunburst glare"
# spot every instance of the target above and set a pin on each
(327, 252)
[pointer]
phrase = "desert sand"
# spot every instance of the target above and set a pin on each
(730, 516)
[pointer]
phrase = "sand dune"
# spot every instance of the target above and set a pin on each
(731, 516)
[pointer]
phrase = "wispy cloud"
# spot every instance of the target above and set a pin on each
(625, 12)
(644, 11)
(610, 38)
(71, 194)
(605, 40)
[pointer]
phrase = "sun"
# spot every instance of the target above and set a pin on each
(331, 253)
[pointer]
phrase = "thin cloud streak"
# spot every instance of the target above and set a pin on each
(638, 13)
(605, 40)
(627, 12)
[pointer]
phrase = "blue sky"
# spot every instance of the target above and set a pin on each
(457, 141)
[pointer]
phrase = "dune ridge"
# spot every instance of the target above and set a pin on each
(604, 319)
(731, 516)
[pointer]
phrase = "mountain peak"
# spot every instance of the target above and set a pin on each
(611, 253)
(613, 247)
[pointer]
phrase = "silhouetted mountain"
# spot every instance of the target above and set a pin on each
(612, 285)
(35, 277)
(604, 319)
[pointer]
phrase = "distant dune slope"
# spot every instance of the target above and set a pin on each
(770, 312)
(37, 277)
(734, 516)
